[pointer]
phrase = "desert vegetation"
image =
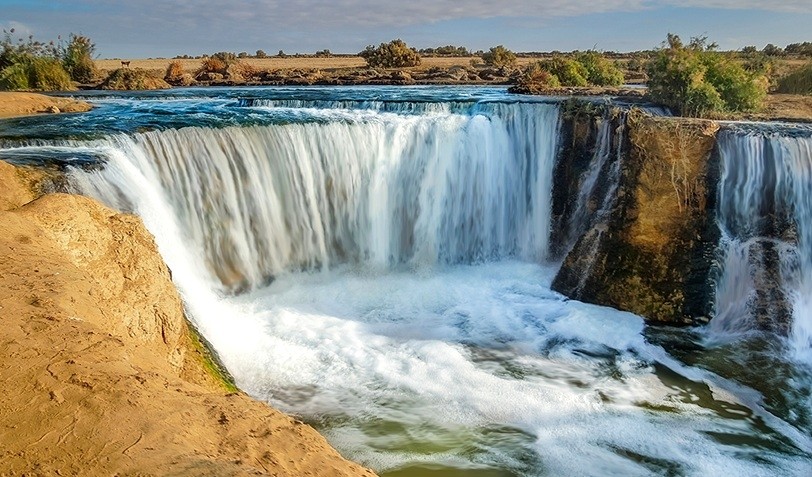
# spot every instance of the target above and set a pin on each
(29, 64)
(697, 81)
(499, 57)
(583, 69)
(395, 54)
(132, 79)
(797, 82)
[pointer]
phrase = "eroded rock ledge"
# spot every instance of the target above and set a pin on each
(99, 370)
(648, 241)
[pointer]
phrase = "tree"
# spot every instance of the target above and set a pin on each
(569, 72)
(498, 57)
(772, 50)
(600, 71)
(261, 54)
(395, 54)
(78, 59)
(803, 49)
(697, 81)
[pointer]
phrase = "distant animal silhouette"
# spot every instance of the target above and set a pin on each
(125, 64)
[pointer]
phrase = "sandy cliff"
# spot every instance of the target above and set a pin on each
(98, 369)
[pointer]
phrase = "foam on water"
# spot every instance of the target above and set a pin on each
(438, 358)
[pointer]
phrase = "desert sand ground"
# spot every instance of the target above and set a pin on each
(273, 63)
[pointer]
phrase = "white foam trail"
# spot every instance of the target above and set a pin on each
(447, 352)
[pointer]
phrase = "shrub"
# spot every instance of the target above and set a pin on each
(739, 89)
(132, 79)
(31, 65)
(448, 50)
(600, 71)
(244, 70)
(212, 65)
(535, 79)
(696, 81)
(797, 82)
(78, 59)
(36, 73)
(174, 71)
(395, 54)
(804, 49)
(772, 50)
(224, 57)
(569, 72)
(498, 57)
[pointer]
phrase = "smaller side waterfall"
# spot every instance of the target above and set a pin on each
(590, 199)
(765, 214)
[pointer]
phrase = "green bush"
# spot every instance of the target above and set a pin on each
(739, 89)
(395, 54)
(797, 82)
(569, 72)
(35, 65)
(78, 59)
(499, 57)
(696, 81)
(35, 73)
(600, 71)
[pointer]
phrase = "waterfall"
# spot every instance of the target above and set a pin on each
(765, 215)
(366, 187)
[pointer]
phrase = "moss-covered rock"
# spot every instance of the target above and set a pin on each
(652, 249)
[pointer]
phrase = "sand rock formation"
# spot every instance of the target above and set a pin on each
(99, 369)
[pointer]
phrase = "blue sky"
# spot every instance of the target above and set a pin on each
(164, 28)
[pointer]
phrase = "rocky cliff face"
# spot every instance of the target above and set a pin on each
(641, 230)
(99, 369)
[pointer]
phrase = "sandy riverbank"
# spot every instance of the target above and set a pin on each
(99, 371)
(25, 104)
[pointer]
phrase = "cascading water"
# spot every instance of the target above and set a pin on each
(410, 317)
(765, 213)
(378, 189)
(596, 196)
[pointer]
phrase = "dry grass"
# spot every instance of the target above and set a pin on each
(327, 64)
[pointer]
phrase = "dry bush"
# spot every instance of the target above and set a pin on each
(212, 65)
(245, 70)
(174, 71)
(395, 54)
(133, 79)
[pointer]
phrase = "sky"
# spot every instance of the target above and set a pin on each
(165, 28)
